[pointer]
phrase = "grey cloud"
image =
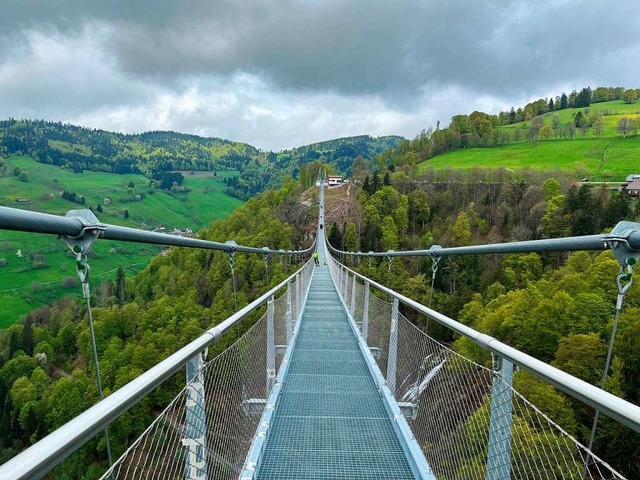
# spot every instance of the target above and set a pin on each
(49, 75)
(393, 48)
(499, 47)
(336, 67)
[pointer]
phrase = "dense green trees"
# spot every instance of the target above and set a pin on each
(629, 96)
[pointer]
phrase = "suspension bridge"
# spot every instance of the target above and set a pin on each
(334, 382)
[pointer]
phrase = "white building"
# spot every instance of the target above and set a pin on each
(334, 180)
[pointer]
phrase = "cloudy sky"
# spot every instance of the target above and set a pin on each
(282, 73)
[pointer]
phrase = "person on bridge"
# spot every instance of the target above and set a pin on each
(315, 258)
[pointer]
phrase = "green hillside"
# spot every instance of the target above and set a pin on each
(598, 140)
(45, 271)
(195, 182)
(582, 154)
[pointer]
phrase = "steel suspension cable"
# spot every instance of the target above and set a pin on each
(78, 222)
(622, 290)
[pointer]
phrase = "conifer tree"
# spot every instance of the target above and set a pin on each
(335, 236)
(27, 335)
(564, 101)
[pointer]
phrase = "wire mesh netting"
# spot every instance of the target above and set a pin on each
(379, 326)
(212, 441)
(469, 423)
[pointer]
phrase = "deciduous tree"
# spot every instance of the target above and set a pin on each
(546, 132)
(629, 96)
(625, 125)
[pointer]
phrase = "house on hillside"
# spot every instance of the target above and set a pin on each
(633, 185)
(633, 188)
(334, 180)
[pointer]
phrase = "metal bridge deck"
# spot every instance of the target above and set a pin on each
(330, 421)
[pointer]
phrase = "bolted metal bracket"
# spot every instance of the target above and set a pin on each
(253, 406)
(376, 352)
(624, 242)
(91, 230)
(409, 410)
(433, 251)
(496, 362)
(233, 246)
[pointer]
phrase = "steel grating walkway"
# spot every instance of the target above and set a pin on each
(330, 421)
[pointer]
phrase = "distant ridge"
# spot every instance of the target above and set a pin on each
(156, 152)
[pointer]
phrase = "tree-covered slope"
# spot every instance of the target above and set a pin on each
(156, 154)
(148, 153)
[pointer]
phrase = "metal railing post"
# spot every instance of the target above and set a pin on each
(298, 295)
(353, 297)
(271, 347)
(347, 293)
(393, 348)
(365, 312)
(499, 450)
(195, 440)
(289, 314)
(343, 283)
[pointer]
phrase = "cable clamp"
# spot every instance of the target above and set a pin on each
(619, 242)
(624, 280)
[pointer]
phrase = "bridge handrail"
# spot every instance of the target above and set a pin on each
(44, 455)
(624, 241)
(77, 222)
(621, 410)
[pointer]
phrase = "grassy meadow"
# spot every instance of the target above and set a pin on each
(45, 271)
(582, 155)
